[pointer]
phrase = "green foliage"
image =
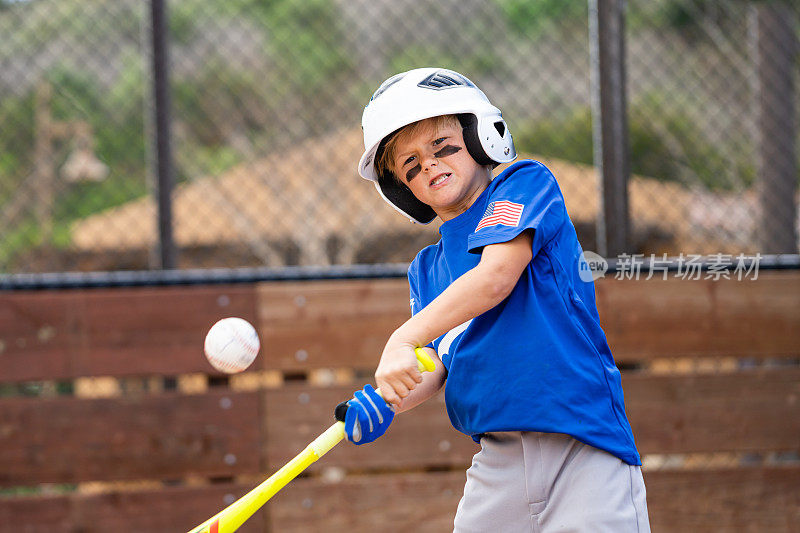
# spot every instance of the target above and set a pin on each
(17, 239)
(214, 160)
(305, 43)
(80, 200)
(16, 140)
(182, 22)
(115, 116)
(186, 16)
(531, 18)
(76, 93)
(42, 21)
(118, 142)
(663, 141)
(686, 18)
(417, 55)
(211, 102)
(302, 43)
(301, 62)
(566, 136)
(121, 141)
(666, 143)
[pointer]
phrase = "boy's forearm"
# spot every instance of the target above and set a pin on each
(470, 295)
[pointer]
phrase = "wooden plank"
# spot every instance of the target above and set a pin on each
(419, 502)
(750, 411)
(168, 509)
(330, 323)
(744, 499)
(735, 499)
(168, 436)
(118, 332)
(163, 328)
(731, 500)
(46, 514)
(296, 414)
(39, 334)
(671, 318)
(114, 332)
(346, 323)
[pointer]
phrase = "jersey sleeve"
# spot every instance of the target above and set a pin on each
(414, 290)
(413, 296)
(527, 199)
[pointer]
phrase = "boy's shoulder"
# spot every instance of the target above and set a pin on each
(522, 176)
(423, 259)
(523, 182)
(524, 169)
(525, 179)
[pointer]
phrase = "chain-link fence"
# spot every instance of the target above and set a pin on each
(266, 101)
(711, 111)
(266, 104)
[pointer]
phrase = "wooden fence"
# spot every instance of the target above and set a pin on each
(112, 420)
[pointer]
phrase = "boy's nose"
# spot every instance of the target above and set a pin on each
(429, 161)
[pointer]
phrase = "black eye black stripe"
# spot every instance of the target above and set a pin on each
(413, 171)
(447, 150)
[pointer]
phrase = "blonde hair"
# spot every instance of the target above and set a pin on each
(385, 162)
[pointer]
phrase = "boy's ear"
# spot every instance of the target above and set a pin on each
(469, 125)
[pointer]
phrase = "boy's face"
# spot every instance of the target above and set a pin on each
(439, 171)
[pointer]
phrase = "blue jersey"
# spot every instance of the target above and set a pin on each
(539, 360)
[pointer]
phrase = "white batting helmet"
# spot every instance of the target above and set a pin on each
(424, 93)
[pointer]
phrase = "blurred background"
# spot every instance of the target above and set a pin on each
(261, 134)
(166, 163)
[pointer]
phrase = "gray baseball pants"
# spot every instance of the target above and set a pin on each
(549, 482)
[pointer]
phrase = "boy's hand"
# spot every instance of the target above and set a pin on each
(398, 372)
(368, 416)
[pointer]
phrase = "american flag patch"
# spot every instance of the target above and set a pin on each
(501, 212)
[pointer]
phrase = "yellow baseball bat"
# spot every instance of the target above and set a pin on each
(232, 517)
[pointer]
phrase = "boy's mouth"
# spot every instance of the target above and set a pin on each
(441, 178)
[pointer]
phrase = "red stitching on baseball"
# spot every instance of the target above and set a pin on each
(247, 346)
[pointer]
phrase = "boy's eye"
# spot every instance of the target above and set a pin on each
(409, 160)
(438, 141)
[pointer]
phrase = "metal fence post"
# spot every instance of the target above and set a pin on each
(609, 123)
(775, 48)
(162, 139)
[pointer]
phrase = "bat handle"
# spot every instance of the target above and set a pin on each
(424, 361)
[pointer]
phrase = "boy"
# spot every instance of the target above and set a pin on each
(500, 305)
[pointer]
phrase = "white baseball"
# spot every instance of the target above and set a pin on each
(231, 345)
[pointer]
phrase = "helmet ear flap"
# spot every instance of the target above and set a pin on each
(401, 197)
(469, 125)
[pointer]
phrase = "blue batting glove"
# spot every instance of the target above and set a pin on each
(368, 416)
